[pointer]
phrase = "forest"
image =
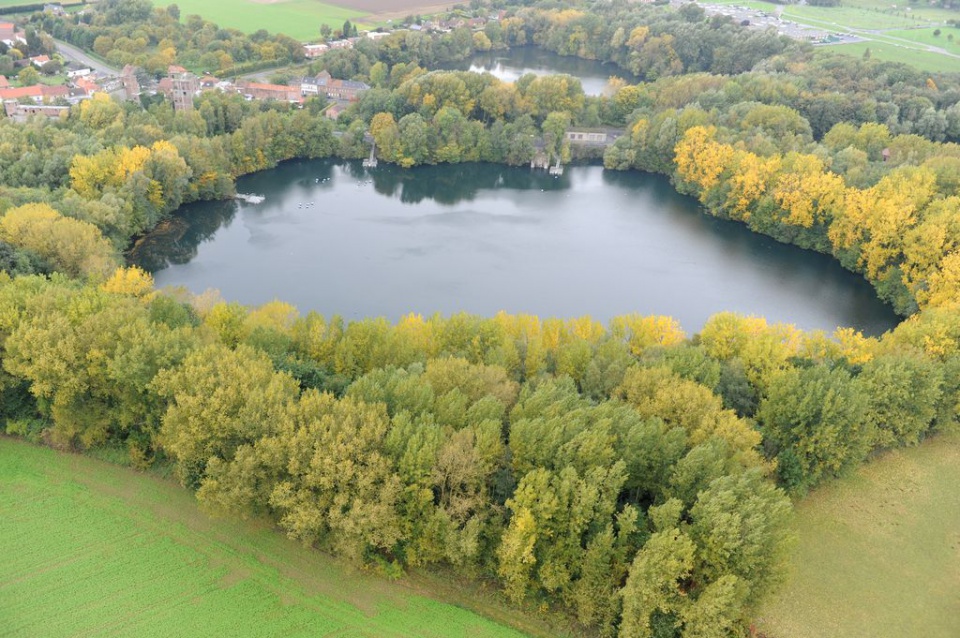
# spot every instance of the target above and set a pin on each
(632, 476)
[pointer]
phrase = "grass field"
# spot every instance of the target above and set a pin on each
(925, 36)
(878, 554)
(300, 19)
(895, 35)
(17, 3)
(92, 549)
(891, 53)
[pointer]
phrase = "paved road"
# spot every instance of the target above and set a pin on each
(73, 53)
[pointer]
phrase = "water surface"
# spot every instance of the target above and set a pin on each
(340, 239)
(510, 65)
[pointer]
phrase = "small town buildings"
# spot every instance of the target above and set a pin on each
(279, 92)
(10, 36)
(184, 88)
(592, 135)
(180, 87)
(38, 92)
(21, 112)
(309, 87)
(343, 90)
(165, 88)
(77, 73)
(314, 50)
(209, 82)
(39, 60)
(346, 90)
(87, 85)
(131, 85)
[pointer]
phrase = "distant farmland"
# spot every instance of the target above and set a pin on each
(94, 549)
(300, 19)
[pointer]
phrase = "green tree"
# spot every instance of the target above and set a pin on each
(739, 527)
(341, 489)
(813, 419)
(28, 76)
(220, 399)
(654, 593)
(903, 392)
(73, 247)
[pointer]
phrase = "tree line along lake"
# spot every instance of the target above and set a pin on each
(338, 238)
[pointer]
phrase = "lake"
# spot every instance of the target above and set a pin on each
(510, 65)
(337, 238)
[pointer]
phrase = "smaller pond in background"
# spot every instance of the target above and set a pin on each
(510, 65)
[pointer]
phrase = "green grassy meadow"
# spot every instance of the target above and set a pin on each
(892, 53)
(878, 552)
(925, 36)
(92, 549)
(895, 35)
(300, 19)
(16, 3)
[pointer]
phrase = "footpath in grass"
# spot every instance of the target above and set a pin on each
(300, 19)
(878, 553)
(91, 549)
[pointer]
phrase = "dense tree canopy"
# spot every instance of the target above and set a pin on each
(631, 475)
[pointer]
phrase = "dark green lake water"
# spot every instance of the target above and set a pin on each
(339, 239)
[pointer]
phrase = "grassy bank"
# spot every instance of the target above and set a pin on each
(878, 553)
(98, 550)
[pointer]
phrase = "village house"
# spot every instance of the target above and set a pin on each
(343, 90)
(131, 85)
(279, 92)
(21, 112)
(309, 87)
(589, 136)
(180, 87)
(184, 88)
(314, 50)
(209, 82)
(39, 60)
(87, 85)
(10, 36)
(77, 95)
(77, 73)
(55, 8)
(38, 92)
(346, 90)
